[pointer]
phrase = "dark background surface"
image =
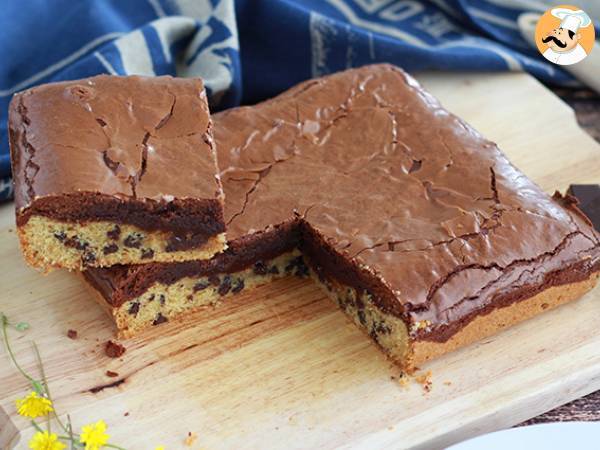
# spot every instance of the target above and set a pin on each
(586, 104)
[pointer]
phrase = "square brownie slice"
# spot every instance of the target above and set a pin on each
(115, 170)
(419, 228)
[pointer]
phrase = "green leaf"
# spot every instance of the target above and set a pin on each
(22, 326)
(38, 387)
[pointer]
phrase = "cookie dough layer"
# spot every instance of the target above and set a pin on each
(161, 303)
(48, 243)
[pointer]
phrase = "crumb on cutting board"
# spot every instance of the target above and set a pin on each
(110, 373)
(72, 334)
(402, 378)
(190, 439)
(404, 381)
(114, 349)
(424, 379)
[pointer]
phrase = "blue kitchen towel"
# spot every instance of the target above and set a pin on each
(249, 50)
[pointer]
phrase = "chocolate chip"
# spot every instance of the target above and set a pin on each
(160, 319)
(60, 235)
(190, 297)
(101, 122)
(72, 334)
(382, 328)
(289, 267)
(151, 298)
(359, 303)
(147, 253)
(361, 317)
(76, 243)
(200, 286)
(260, 268)
(133, 240)
(225, 285)
(114, 349)
(162, 299)
(302, 270)
(115, 233)
(110, 248)
(214, 280)
(238, 286)
(373, 335)
(274, 270)
(178, 243)
(134, 308)
(88, 258)
(345, 302)
(297, 267)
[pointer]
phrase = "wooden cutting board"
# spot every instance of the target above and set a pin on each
(281, 368)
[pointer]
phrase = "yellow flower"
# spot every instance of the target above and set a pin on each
(33, 406)
(94, 436)
(42, 440)
(160, 447)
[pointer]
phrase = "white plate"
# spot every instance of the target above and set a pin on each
(547, 436)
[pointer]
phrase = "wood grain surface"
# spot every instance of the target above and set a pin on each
(281, 367)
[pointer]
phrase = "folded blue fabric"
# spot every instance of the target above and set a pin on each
(252, 49)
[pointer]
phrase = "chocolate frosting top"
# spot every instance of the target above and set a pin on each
(143, 138)
(411, 194)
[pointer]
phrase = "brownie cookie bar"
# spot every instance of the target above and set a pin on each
(114, 170)
(420, 229)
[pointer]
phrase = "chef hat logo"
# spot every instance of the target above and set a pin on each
(565, 35)
(571, 20)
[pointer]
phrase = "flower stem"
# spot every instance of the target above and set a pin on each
(4, 320)
(70, 427)
(44, 384)
(70, 438)
(47, 389)
(36, 426)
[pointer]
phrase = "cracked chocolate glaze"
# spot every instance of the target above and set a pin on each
(393, 194)
(126, 149)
